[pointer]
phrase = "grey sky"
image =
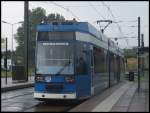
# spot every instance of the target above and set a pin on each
(123, 11)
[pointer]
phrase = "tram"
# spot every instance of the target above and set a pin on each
(74, 61)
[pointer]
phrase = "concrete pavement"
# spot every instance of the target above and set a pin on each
(122, 97)
(134, 102)
(124, 102)
(95, 101)
(107, 104)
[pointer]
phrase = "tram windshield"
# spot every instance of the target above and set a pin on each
(54, 58)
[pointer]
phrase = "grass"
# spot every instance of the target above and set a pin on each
(143, 78)
(3, 74)
(131, 64)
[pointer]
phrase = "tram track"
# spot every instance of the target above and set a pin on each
(7, 95)
(53, 106)
(17, 96)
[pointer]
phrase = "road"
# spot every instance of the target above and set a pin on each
(22, 100)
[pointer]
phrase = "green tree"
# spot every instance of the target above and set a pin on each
(36, 16)
(3, 49)
(130, 53)
(2, 40)
(3, 54)
(54, 17)
(3, 46)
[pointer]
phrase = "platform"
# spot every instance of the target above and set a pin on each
(15, 85)
(123, 97)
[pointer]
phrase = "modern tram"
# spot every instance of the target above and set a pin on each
(74, 61)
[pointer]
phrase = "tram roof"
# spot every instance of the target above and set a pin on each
(74, 27)
(70, 26)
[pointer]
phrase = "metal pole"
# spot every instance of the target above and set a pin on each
(109, 61)
(138, 54)
(12, 51)
(26, 34)
(142, 45)
(6, 62)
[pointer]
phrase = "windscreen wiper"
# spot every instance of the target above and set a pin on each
(66, 64)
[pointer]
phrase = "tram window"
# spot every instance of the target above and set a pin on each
(112, 65)
(52, 58)
(122, 65)
(55, 35)
(115, 64)
(81, 62)
(99, 60)
(118, 64)
(43, 36)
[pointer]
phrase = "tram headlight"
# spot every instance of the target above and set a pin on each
(69, 79)
(39, 78)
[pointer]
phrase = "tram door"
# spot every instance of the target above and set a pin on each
(83, 78)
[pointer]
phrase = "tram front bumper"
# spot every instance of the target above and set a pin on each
(55, 95)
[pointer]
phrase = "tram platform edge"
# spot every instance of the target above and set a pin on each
(18, 86)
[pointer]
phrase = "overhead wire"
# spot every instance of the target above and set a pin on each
(104, 4)
(108, 7)
(105, 18)
(96, 10)
(67, 9)
(130, 21)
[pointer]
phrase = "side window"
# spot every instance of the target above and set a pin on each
(81, 61)
(111, 62)
(122, 66)
(42, 35)
(99, 60)
(115, 64)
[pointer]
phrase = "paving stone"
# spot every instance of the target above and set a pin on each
(136, 108)
(119, 109)
(6, 109)
(123, 102)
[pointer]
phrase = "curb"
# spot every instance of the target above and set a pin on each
(10, 88)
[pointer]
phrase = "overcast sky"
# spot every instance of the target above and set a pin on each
(127, 12)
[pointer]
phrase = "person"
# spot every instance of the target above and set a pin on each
(81, 67)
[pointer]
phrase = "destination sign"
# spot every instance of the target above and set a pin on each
(46, 44)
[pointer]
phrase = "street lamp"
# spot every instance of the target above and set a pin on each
(12, 24)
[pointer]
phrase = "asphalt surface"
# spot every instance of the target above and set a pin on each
(22, 100)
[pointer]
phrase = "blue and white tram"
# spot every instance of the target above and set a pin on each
(74, 61)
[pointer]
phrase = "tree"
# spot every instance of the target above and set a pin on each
(2, 40)
(3, 46)
(54, 17)
(8, 54)
(130, 53)
(3, 49)
(36, 16)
